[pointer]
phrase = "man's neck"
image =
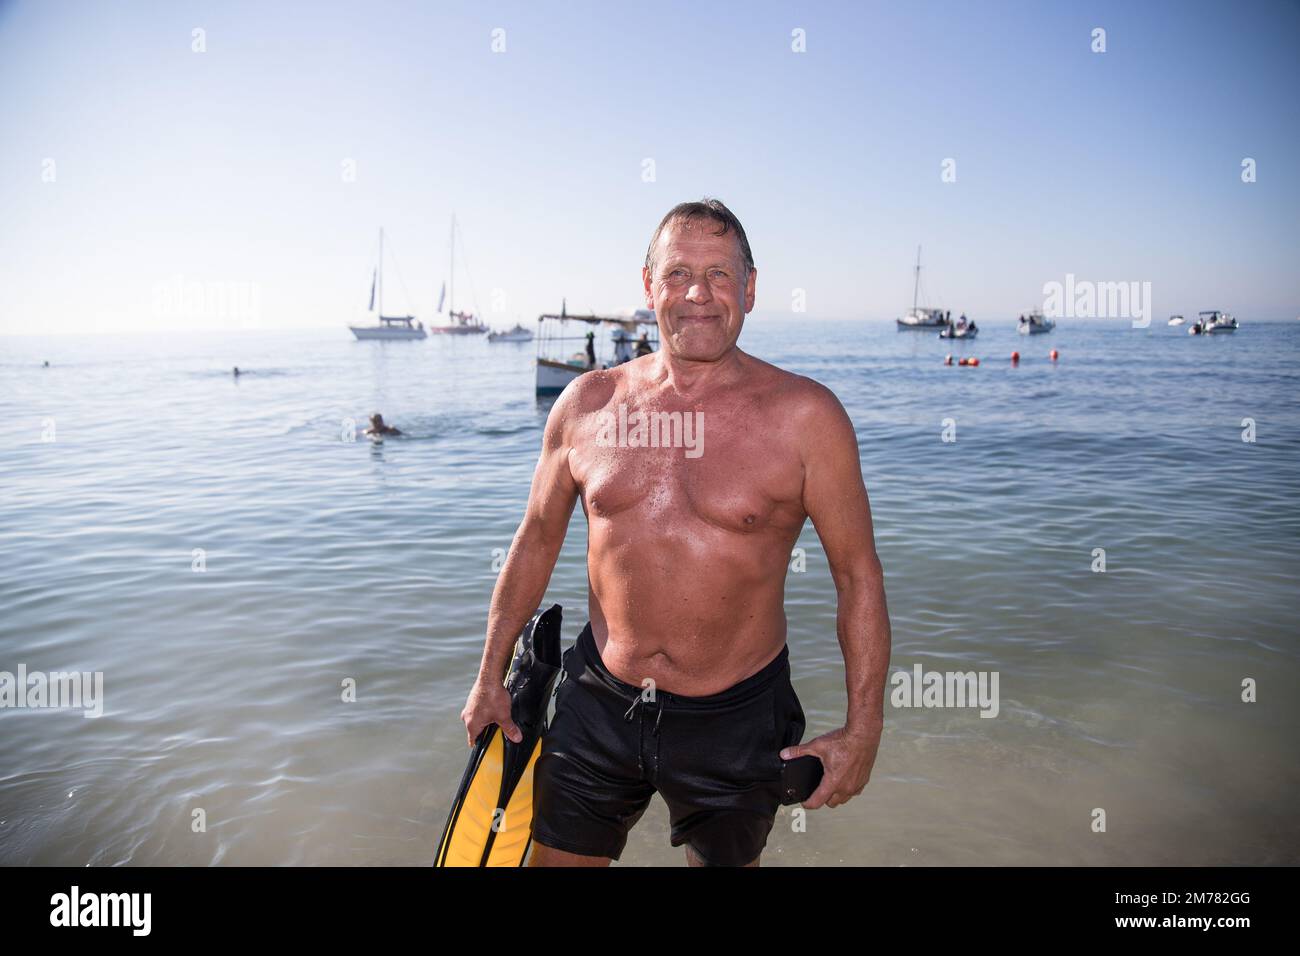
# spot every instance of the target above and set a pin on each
(691, 378)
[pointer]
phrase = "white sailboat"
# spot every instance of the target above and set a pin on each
(462, 323)
(388, 327)
(922, 318)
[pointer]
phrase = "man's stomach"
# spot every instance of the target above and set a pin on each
(694, 623)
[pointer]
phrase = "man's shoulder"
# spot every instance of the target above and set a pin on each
(799, 394)
(588, 393)
(591, 391)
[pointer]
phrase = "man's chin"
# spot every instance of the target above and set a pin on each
(700, 345)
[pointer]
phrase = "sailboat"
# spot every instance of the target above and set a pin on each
(393, 327)
(462, 323)
(922, 318)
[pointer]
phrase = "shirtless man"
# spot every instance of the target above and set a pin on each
(680, 682)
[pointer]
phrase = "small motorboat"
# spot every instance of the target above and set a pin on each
(517, 334)
(960, 330)
(1214, 321)
(1176, 320)
(1034, 323)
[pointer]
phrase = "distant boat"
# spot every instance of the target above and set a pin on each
(922, 318)
(462, 323)
(1176, 320)
(1212, 321)
(517, 334)
(961, 329)
(1033, 323)
(388, 327)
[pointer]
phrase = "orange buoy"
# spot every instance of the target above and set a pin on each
(1054, 355)
(1015, 358)
(974, 361)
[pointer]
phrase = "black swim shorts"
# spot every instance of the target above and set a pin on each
(715, 760)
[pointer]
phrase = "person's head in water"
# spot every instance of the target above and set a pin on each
(236, 372)
(377, 426)
(699, 279)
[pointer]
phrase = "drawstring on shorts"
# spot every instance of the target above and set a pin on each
(627, 715)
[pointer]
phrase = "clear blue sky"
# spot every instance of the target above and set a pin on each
(225, 166)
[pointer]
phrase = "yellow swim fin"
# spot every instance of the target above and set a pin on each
(491, 819)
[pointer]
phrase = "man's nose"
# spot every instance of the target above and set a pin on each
(699, 291)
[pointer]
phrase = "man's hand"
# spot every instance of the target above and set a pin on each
(488, 703)
(847, 759)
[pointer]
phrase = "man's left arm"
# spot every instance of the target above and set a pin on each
(835, 498)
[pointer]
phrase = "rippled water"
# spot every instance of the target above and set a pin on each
(328, 560)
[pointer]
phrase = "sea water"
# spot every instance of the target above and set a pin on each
(286, 617)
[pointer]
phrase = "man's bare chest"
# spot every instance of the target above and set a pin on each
(728, 470)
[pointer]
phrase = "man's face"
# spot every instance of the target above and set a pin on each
(698, 290)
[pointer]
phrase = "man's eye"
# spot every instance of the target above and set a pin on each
(678, 272)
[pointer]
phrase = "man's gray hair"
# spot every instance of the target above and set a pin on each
(710, 210)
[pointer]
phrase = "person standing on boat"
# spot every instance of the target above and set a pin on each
(688, 549)
(622, 348)
(643, 345)
(591, 350)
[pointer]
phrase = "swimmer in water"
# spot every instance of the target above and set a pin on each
(236, 371)
(378, 428)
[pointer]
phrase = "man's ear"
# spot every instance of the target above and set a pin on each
(749, 290)
(649, 293)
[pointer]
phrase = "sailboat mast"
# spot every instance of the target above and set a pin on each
(916, 286)
(451, 308)
(380, 283)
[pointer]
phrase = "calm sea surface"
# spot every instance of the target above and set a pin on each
(328, 560)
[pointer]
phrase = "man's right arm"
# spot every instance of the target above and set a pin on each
(536, 546)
